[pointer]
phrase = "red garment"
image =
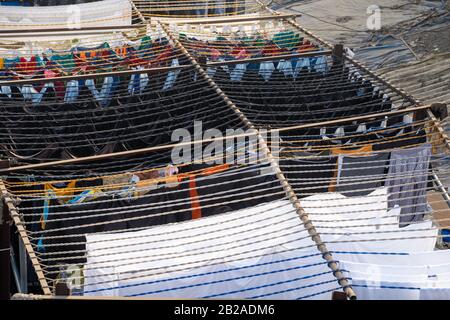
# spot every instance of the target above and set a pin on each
(240, 53)
(306, 46)
(164, 56)
(215, 54)
(60, 88)
(27, 67)
(272, 50)
(134, 61)
(80, 60)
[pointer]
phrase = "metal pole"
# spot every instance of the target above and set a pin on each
(15, 272)
(23, 266)
(290, 193)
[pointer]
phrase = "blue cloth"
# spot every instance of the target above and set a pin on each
(286, 67)
(30, 93)
(304, 63)
(238, 72)
(172, 76)
(211, 71)
(6, 90)
(72, 90)
(138, 82)
(266, 69)
(320, 64)
(201, 9)
(104, 95)
(15, 4)
(104, 45)
(81, 197)
(446, 235)
(10, 63)
(220, 9)
(45, 213)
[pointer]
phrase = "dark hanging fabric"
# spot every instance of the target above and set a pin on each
(359, 176)
(308, 176)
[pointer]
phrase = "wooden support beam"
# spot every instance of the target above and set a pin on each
(273, 58)
(69, 30)
(133, 6)
(229, 19)
(338, 54)
(24, 236)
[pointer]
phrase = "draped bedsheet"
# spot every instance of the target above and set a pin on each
(95, 14)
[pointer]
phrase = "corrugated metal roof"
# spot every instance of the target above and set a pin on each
(428, 79)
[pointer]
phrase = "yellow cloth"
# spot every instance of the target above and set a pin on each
(66, 192)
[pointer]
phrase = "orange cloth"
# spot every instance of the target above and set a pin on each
(121, 51)
(365, 149)
(195, 202)
(83, 56)
(67, 191)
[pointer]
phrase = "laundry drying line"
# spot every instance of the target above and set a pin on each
(170, 146)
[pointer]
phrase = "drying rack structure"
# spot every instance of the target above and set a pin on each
(180, 79)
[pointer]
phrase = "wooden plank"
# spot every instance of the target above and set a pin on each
(230, 19)
(441, 210)
(24, 236)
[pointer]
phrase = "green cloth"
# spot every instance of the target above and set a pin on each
(66, 61)
(254, 42)
(286, 39)
(146, 43)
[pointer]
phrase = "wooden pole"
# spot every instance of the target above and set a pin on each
(230, 19)
(24, 236)
(338, 54)
(112, 28)
(141, 17)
